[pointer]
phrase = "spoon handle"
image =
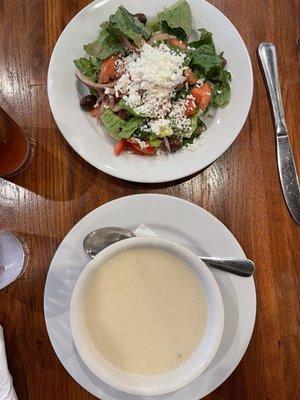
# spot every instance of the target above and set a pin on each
(237, 266)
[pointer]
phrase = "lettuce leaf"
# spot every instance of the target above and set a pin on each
(105, 45)
(125, 106)
(112, 123)
(221, 92)
(154, 25)
(123, 23)
(207, 61)
(89, 67)
(130, 127)
(204, 38)
(154, 142)
(177, 19)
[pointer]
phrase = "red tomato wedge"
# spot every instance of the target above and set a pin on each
(119, 147)
(202, 96)
(190, 107)
(108, 70)
(177, 43)
(190, 76)
(124, 144)
(150, 151)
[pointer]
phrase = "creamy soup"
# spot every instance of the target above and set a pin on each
(145, 311)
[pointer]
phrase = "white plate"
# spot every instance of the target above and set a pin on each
(90, 141)
(173, 219)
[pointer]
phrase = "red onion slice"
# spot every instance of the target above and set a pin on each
(93, 85)
(160, 36)
(167, 144)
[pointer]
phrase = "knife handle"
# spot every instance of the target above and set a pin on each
(268, 58)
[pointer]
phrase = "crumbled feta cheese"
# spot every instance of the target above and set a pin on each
(200, 82)
(161, 127)
(141, 143)
(149, 79)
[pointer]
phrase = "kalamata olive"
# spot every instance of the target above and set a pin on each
(141, 17)
(87, 102)
(175, 143)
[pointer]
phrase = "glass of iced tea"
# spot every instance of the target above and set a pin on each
(16, 147)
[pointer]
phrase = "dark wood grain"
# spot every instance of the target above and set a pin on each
(241, 189)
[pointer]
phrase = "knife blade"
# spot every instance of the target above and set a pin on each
(285, 160)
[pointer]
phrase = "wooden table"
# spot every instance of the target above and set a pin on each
(241, 189)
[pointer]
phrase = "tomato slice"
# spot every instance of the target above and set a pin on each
(190, 76)
(119, 147)
(108, 69)
(124, 144)
(150, 151)
(190, 107)
(202, 95)
(177, 43)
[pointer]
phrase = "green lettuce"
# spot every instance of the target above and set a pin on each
(123, 23)
(177, 19)
(154, 142)
(112, 123)
(105, 45)
(204, 38)
(130, 127)
(154, 25)
(221, 91)
(89, 67)
(125, 106)
(207, 61)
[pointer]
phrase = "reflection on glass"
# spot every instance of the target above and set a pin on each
(13, 257)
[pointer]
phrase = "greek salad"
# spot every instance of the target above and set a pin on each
(150, 87)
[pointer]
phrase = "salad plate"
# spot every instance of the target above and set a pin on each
(186, 224)
(90, 140)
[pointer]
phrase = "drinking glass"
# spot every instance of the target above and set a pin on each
(14, 256)
(16, 147)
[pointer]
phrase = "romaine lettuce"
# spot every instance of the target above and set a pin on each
(130, 127)
(125, 106)
(89, 67)
(112, 123)
(207, 61)
(105, 45)
(123, 23)
(221, 92)
(177, 19)
(205, 38)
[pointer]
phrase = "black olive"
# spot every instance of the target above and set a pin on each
(87, 102)
(175, 143)
(141, 17)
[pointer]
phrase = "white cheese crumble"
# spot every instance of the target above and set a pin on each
(147, 85)
(143, 145)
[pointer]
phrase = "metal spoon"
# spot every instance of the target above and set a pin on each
(101, 238)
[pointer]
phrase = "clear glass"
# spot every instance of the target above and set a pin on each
(14, 256)
(16, 147)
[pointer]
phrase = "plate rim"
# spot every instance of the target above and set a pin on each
(243, 349)
(149, 180)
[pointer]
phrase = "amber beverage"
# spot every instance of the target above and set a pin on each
(16, 147)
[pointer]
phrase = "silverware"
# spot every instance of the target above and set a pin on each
(286, 164)
(101, 238)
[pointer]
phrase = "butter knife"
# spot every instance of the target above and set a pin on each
(285, 160)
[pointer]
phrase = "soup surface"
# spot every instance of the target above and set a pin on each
(145, 311)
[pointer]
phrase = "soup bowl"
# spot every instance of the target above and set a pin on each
(175, 378)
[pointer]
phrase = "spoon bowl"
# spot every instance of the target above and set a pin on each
(101, 238)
